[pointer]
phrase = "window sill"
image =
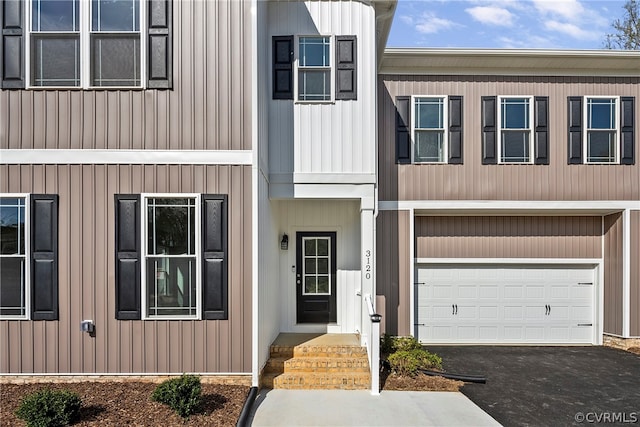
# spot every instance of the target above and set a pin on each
(332, 101)
(75, 88)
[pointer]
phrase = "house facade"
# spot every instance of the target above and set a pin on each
(509, 193)
(184, 181)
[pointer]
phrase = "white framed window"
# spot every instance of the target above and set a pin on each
(429, 133)
(602, 129)
(515, 119)
(171, 267)
(85, 44)
(14, 250)
(316, 267)
(314, 77)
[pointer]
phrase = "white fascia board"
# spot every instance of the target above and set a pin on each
(537, 261)
(334, 178)
(333, 191)
(128, 157)
(600, 207)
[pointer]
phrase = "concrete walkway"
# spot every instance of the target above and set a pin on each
(360, 408)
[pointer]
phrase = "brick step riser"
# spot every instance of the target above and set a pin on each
(329, 366)
(329, 354)
(336, 382)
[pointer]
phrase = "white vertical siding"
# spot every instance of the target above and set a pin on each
(328, 138)
(343, 217)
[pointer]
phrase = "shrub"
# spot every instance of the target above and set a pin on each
(408, 362)
(49, 408)
(180, 394)
(390, 344)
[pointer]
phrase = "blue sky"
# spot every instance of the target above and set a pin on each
(555, 24)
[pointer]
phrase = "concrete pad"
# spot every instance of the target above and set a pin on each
(360, 408)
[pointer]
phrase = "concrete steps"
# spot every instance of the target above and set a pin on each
(327, 362)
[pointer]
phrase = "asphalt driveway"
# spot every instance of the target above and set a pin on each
(544, 386)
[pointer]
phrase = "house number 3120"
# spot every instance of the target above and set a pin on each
(367, 266)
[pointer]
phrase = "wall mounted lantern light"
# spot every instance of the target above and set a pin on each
(284, 243)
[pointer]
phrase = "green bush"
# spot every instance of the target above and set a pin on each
(181, 394)
(49, 408)
(408, 362)
(390, 344)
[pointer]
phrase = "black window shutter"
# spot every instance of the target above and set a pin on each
(128, 256)
(541, 148)
(44, 256)
(455, 130)
(346, 68)
(627, 155)
(489, 104)
(403, 129)
(282, 67)
(574, 125)
(160, 45)
(214, 257)
(12, 44)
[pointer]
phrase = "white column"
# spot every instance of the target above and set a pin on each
(626, 273)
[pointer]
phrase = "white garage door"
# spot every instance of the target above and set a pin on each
(504, 304)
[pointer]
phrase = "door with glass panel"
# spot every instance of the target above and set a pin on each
(316, 277)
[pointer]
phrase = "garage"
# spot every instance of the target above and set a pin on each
(505, 304)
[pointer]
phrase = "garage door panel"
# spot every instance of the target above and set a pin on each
(488, 292)
(504, 304)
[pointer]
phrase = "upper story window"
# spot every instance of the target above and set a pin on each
(87, 44)
(515, 121)
(75, 43)
(314, 68)
(429, 129)
(14, 289)
(601, 136)
(601, 130)
(429, 132)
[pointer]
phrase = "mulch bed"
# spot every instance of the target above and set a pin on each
(130, 404)
(635, 350)
(421, 382)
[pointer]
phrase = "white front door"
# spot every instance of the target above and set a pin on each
(504, 304)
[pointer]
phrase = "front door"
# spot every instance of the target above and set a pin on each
(316, 277)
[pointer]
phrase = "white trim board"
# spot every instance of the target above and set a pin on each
(600, 207)
(530, 261)
(127, 157)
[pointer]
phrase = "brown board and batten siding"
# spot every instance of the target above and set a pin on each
(474, 181)
(634, 330)
(209, 107)
(86, 277)
(508, 237)
(613, 268)
(392, 273)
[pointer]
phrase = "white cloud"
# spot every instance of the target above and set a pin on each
(491, 15)
(571, 30)
(569, 9)
(429, 23)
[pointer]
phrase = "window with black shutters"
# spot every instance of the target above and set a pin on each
(171, 256)
(87, 44)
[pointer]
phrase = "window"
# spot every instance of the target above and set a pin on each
(314, 79)
(429, 135)
(316, 267)
(171, 257)
(515, 118)
(79, 43)
(602, 130)
(314, 68)
(14, 290)
(29, 249)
